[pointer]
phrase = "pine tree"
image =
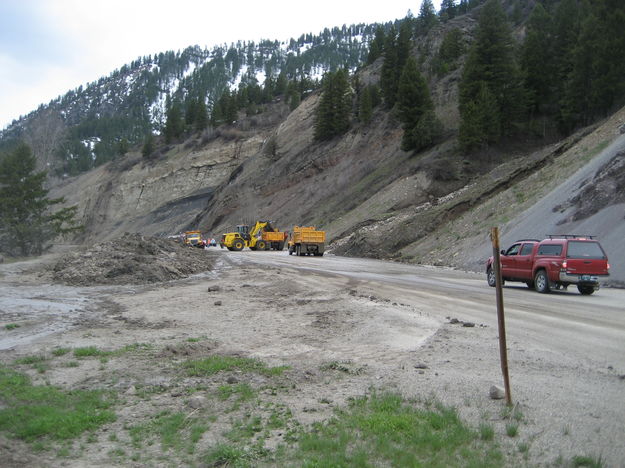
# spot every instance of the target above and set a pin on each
(201, 116)
(376, 48)
(448, 10)
(174, 126)
(389, 73)
(491, 66)
(415, 109)
(148, 146)
(537, 61)
(27, 223)
(427, 17)
(334, 109)
(404, 44)
(365, 108)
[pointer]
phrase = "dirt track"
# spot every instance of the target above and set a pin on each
(345, 326)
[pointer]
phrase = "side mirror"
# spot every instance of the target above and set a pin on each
(503, 252)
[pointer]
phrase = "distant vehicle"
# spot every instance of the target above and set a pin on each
(553, 263)
(307, 241)
(262, 236)
(193, 239)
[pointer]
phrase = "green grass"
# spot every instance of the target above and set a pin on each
(35, 412)
(11, 326)
(60, 351)
(214, 364)
(243, 391)
(585, 461)
(512, 429)
(173, 430)
(386, 430)
(29, 360)
(90, 351)
(227, 455)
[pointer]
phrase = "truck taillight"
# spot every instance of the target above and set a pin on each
(564, 264)
(608, 266)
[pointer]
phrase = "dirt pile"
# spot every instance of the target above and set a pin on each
(130, 259)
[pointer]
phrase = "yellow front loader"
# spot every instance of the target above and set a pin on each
(262, 236)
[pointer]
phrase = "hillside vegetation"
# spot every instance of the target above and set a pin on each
(398, 151)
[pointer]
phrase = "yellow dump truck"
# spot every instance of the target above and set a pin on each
(193, 239)
(262, 236)
(307, 241)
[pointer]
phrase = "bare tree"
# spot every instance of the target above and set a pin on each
(45, 133)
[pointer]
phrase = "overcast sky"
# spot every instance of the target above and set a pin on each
(48, 47)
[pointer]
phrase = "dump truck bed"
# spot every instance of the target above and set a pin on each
(306, 235)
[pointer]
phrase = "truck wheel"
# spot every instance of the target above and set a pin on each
(290, 250)
(541, 282)
(237, 245)
(490, 277)
(585, 290)
(260, 245)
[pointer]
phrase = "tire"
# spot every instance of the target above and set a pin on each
(260, 245)
(290, 250)
(298, 250)
(238, 245)
(585, 290)
(490, 277)
(541, 282)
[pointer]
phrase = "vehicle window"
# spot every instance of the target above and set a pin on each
(550, 249)
(584, 250)
(526, 249)
(513, 249)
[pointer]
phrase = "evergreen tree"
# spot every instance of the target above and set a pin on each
(334, 109)
(490, 68)
(389, 73)
(427, 17)
(537, 62)
(201, 116)
(27, 223)
(148, 146)
(365, 107)
(448, 10)
(415, 109)
(404, 44)
(174, 126)
(376, 48)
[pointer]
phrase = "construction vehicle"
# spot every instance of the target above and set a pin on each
(262, 236)
(307, 241)
(193, 239)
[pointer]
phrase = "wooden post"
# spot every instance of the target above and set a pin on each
(503, 350)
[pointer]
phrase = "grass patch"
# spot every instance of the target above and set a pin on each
(173, 430)
(214, 364)
(11, 326)
(60, 351)
(36, 412)
(90, 351)
(30, 360)
(243, 391)
(585, 461)
(386, 430)
(487, 432)
(512, 429)
(226, 455)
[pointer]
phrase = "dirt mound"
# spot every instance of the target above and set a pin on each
(131, 259)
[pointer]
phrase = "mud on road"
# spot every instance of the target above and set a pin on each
(341, 337)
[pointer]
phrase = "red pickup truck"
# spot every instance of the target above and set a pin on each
(553, 263)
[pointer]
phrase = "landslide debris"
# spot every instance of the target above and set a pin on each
(130, 259)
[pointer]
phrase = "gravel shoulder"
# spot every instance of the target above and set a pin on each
(340, 337)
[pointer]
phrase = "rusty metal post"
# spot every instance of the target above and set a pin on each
(503, 350)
